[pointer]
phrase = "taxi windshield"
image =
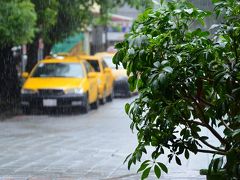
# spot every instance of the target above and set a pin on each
(110, 64)
(64, 70)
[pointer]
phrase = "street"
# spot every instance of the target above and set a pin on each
(80, 146)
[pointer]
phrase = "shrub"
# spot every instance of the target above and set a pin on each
(188, 80)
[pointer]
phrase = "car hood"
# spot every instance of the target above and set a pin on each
(52, 83)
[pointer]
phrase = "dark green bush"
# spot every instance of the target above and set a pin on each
(188, 80)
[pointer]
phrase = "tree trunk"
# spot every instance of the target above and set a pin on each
(47, 49)
(9, 80)
(32, 52)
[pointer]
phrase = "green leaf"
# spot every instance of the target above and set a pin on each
(127, 107)
(119, 45)
(178, 161)
(144, 165)
(168, 69)
(132, 82)
(189, 11)
(127, 158)
(157, 171)
(118, 57)
(145, 173)
(186, 154)
(163, 167)
(236, 133)
(204, 138)
(130, 163)
(217, 164)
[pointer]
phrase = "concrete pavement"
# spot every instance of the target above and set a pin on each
(84, 147)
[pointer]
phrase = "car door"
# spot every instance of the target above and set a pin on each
(109, 77)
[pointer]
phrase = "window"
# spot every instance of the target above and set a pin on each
(59, 70)
(88, 67)
(95, 65)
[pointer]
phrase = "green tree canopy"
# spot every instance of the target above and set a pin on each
(47, 12)
(17, 21)
(188, 80)
(72, 17)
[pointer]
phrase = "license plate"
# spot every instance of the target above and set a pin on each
(49, 102)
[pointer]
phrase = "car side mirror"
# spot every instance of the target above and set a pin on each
(25, 75)
(92, 75)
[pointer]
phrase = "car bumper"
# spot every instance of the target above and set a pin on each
(51, 101)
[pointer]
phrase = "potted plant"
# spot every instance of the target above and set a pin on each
(188, 80)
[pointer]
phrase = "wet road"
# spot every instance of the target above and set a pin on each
(85, 147)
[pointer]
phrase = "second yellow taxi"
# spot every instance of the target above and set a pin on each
(105, 77)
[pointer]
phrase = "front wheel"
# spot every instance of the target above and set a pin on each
(110, 97)
(95, 104)
(86, 106)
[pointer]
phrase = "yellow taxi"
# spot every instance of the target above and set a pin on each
(121, 85)
(105, 77)
(60, 82)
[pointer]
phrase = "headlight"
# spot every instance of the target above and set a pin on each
(74, 91)
(29, 91)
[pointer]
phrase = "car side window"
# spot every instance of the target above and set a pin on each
(88, 67)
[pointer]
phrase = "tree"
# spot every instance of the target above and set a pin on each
(17, 21)
(75, 18)
(57, 20)
(188, 80)
(47, 12)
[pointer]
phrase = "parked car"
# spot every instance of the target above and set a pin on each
(105, 77)
(121, 86)
(60, 83)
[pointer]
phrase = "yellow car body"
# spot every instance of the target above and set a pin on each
(121, 86)
(60, 82)
(105, 77)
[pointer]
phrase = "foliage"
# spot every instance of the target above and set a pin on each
(17, 21)
(73, 16)
(188, 83)
(109, 6)
(47, 12)
(58, 19)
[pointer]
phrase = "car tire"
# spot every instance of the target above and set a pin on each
(103, 99)
(95, 104)
(110, 97)
(86, 107)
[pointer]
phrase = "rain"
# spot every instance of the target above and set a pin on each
(76, 96)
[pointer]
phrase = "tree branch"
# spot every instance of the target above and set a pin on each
(205, 101)
(225, 124)
(211, 146)
(213, 131)
(212, 152)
